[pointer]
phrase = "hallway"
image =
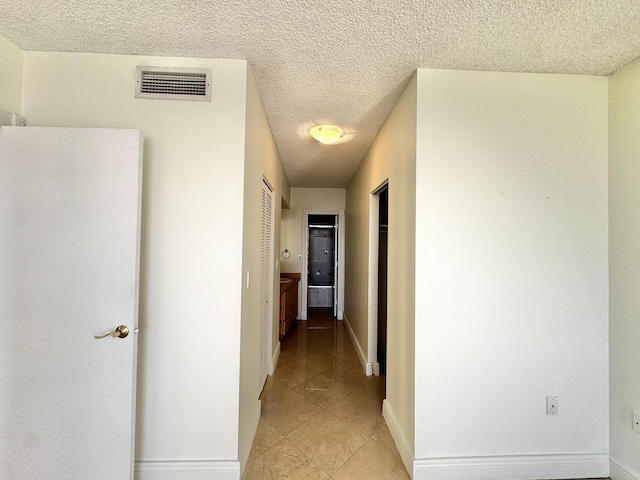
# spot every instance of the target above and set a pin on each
(321, 416)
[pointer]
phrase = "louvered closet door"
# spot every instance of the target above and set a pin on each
(266, 285)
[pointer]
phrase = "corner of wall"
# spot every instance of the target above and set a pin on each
(187, 470)
(620, 471)
(286, 191)
(262, 164)
(11, 76)
(624, 270)
(392, 158)
(367, 367)
(399, 438)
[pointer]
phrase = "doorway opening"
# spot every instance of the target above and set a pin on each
(377, 280)
(383, 231)
(322, 286)
(321, 269)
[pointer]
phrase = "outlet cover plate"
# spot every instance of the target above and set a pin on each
(636, 422)
(552, 405)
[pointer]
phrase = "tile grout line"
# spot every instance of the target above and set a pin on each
(330, 413)
(329, 364)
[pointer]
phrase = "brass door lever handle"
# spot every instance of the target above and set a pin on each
(120, 332)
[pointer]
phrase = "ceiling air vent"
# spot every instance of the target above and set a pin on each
(174, 83)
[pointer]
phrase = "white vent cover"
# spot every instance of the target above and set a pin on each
(174, 83)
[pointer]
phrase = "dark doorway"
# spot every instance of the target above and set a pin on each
(321, 278)
(383, 221)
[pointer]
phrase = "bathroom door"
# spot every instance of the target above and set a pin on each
(69, 249)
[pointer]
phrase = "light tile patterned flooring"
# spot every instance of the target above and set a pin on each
(321, 416)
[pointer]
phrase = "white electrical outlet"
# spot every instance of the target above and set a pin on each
(636, 422)
(552, 405)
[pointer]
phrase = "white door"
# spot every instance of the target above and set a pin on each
(266, 282)
(69, 243)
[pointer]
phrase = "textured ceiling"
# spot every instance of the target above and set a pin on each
(341, 62)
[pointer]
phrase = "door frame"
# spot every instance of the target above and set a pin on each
(373, 367)
(305, 260)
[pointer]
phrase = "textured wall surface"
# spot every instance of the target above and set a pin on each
(339, 62)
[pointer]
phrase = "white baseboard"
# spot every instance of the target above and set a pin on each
(367, 367)
(187, 470)
(372, 368)
(512, 467)
(340, 315)
(274, 359)
(400, 440)
(619, 471)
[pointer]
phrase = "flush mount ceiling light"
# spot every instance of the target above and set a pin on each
(326, 134)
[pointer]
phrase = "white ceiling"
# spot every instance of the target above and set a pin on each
(341, 62)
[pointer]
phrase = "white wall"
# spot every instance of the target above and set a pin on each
(262, 162)
(391, 157)
(511, 276)
(511, 286)
(11, 60)
(624, 258)
(192, 232)
(292, 225)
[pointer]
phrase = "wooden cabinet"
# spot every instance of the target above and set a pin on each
(288, 305)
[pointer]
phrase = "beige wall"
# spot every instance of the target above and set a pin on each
(624, 231)
(286, 191)
(11, 64)
(510, 268)
(391, 158)
(262, 161)
(292, 225)
(192, 232)
(511, 275)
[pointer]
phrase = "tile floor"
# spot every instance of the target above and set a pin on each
(321, 416)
